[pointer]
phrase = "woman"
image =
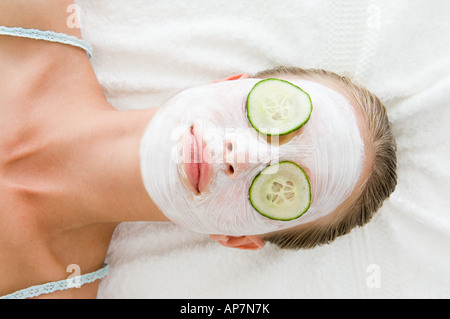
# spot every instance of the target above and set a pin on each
(72, 167)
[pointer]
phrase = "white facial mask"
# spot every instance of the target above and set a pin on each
(328, 147)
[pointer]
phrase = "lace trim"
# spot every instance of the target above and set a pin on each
(51, 287)
(47, 36)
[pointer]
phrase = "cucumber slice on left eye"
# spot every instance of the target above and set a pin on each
(281, 191)
(277, 107)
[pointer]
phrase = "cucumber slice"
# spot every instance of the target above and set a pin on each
(277, 107)
(281, 191)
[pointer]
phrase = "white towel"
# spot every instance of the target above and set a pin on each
(144, 52)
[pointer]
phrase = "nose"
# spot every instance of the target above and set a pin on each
(236, 158)
(240, 155)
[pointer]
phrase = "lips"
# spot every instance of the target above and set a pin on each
(196, 159)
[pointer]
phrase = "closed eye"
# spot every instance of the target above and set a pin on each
(275, 139)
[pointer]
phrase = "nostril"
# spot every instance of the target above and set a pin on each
(229, 146)
(230, 169)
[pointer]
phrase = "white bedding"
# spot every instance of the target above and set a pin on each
(146, 51)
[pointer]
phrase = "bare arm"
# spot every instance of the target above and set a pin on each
(28, 67)
(39, 14)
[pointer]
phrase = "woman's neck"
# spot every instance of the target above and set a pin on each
(109, 157)
(72, 153)
(69, 164)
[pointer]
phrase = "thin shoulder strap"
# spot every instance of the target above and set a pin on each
(47, 36)
(50, 287)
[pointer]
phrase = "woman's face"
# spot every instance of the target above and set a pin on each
(199, 156)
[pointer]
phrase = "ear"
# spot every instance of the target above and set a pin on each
(234, 77)
(242, 242)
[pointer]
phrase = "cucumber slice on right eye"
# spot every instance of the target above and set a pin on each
(278, 107)
(281, 191)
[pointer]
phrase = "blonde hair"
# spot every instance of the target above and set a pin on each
(382, 178)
